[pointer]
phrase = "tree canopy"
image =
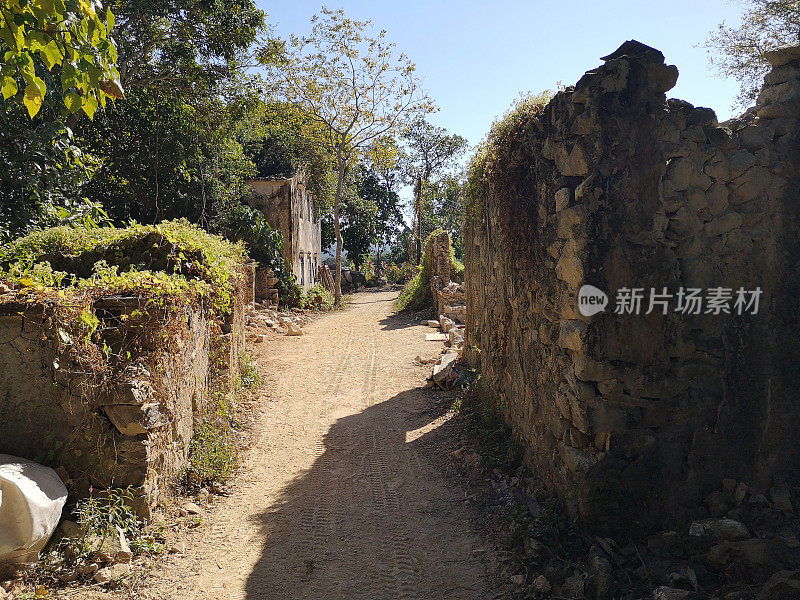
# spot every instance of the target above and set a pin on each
(60, 46)
(429, 150)
(738, 52)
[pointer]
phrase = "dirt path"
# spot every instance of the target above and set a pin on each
(338, 499)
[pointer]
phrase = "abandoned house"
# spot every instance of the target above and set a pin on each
(289, 207)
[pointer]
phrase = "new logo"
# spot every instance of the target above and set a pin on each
(591, 300)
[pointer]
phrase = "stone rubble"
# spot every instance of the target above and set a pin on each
(264, 318)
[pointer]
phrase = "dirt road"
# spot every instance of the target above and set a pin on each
(338, 498)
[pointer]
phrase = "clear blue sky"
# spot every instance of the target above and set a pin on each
(476, 57)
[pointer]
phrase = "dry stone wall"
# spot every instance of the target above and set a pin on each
(635, 418)
(131, 429)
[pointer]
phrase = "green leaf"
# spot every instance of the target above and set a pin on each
(51, 54)
(9, 87)
(32, 99)
(109, 19)
(90, 106)
(73, 102)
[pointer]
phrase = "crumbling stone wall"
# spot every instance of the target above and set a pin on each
(447, 292)
(130, 429)
(634, 418)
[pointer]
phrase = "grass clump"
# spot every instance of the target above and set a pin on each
(317, 297)
(107, 512)
(488, 428)
(213, 452)
(214, 449)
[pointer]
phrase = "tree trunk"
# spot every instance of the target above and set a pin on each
(378, 262)
(418, 207)
(337, 228)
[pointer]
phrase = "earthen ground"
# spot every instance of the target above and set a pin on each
(342, 494)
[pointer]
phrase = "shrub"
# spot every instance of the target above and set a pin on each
(400, 273)
(101, 515)
(309, 299)
(173, 258)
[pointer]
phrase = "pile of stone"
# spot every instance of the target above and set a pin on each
(444, 374)
(742, 545)
(449, 297)
(263, 319)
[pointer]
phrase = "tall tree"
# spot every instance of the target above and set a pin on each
(429, 150)
(173, 146)
(738, 52)
(378, 189)
(444, 208)
(174, 44)
(354, 84)
(56, 59)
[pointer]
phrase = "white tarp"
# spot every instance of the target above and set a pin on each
(31, 499)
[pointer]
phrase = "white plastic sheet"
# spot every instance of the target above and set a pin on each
(32, 497)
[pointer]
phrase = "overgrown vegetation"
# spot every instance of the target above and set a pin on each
(173, 259)
(506, 147)
(417, 294)
(214, 450)
(488, 427)
(213, 453)
(105, 513)
(77, 552)
(317, 297)
(739, 52)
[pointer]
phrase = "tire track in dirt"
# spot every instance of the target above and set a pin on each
(333, 503)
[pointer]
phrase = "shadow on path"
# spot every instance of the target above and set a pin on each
(372, 519)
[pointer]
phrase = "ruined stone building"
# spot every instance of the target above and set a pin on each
(289, 207)
(636, 415)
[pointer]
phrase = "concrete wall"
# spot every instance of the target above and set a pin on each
(289, 207)
(634, 418)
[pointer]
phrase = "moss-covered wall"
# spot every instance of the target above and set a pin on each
(130, 426)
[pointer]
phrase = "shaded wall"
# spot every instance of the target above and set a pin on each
(633, 418)
(129, 423)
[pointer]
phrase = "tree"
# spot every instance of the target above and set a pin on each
(739, 52)
(178, 44)
(174, 145)
(430, 150)
(359, 227)
(378, 188)
(165, 156)
(444, 208)
(290, 144)
(57, 59)
(355, 86)
(69, 43)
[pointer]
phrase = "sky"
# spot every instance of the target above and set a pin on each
(475, 58)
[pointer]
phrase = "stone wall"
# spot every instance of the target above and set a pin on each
(635, 418)
(128, 427)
